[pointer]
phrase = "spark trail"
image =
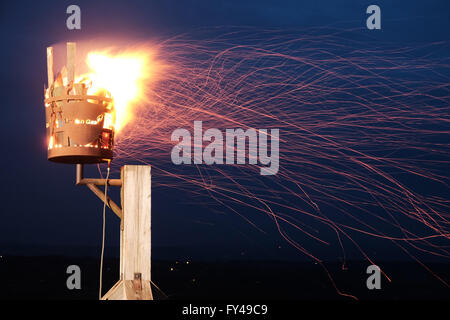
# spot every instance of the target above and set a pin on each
(364, 134)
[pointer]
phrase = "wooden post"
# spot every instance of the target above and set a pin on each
(135, 236)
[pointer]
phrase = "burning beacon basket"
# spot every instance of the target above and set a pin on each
(80, 127)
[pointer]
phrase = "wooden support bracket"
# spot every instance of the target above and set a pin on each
(109, 203)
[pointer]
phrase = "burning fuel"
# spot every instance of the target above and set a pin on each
(124, 75)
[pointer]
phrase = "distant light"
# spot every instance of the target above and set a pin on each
(171, 269)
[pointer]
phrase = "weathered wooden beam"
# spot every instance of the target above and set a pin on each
(70, 63)
(135, 237)
(136, 242)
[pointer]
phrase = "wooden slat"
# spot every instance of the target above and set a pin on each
(50, 74)
(70, 63)
(136, 235)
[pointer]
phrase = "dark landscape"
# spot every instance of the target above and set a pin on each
(45, 278)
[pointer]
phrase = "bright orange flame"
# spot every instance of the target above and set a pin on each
(124, 75)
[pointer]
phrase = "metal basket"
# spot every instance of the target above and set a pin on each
(80, 127)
